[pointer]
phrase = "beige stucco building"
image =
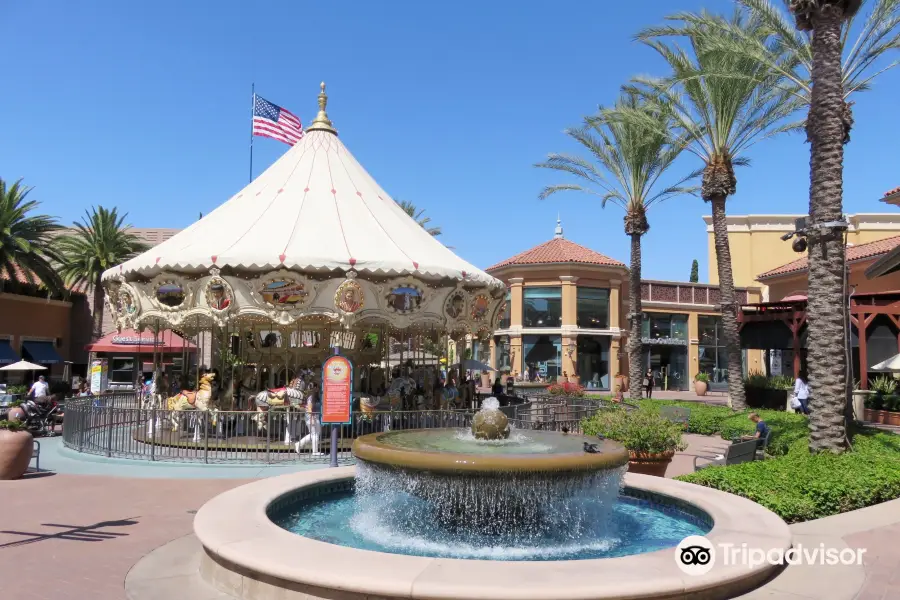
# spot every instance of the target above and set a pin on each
(757, 247)
(566, 316)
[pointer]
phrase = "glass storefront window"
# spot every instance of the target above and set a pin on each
(542, 356)
(593, 308)
(502, 354)
(593, 362)
(713, 359)
(663, 326)
(542, 307)
(121, 370)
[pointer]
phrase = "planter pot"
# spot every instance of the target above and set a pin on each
(622, 381)
(700, 387)
(16, 413)
(891, 418)
(877, 416)
(15, 453)
(649, 463)
(485, 380)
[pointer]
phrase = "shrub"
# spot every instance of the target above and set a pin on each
(643, 430)
(781, 382)
(566, 389)
(756, 379)
(883, 385)
(801, 486)
(17, 389)
(701, 376)
(11, 425)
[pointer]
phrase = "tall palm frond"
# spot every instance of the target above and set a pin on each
(99, 242)
(418, 215)
(625, 161)
(26, 251)
(787, 52)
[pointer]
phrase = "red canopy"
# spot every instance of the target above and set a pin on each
(133, 342)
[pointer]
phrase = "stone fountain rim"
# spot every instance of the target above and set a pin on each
(252, 557)
(368, 448)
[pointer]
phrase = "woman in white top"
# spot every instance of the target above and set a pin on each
(801, 391)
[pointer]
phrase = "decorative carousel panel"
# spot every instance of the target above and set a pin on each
(481, 304)
(170, 293)
(218, 295)
(455, 305)
(283, 291)
(349, 297)
(405, 296)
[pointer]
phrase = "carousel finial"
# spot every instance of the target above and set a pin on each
(322, 122)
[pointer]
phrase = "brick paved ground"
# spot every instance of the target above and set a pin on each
(74, 537)
(881, 560)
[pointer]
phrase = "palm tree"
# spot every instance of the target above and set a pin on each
(418, 214)
(98, 243)
(25, 240)
(827, 129)
(722, 103)
(627, 159)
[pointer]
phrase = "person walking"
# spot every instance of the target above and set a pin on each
(801, 392)
(648, 383)
(40, 390)
(313, 423)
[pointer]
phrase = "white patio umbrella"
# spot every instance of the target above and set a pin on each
(23, 365)
(891, 364)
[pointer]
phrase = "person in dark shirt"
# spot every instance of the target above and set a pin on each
(762, 430)
(497, 389)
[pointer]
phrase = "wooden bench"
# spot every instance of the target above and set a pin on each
(676, 414)
(736, 453)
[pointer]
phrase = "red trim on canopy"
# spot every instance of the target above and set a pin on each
(141, 343)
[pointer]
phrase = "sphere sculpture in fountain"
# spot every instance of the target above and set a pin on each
(490, 423)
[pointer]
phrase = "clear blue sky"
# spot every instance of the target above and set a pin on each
(145, 105)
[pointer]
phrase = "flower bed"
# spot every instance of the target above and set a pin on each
(572, 390)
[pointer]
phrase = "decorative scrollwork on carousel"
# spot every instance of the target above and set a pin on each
(283, 291)
(127, 307)
(499, 314)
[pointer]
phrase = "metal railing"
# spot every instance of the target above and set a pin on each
(115, 425)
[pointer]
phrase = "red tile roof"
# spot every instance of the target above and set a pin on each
(20, 277)
(558, 250)
(891, 192)
(854, 253)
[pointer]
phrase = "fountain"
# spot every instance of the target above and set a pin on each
(489, 512)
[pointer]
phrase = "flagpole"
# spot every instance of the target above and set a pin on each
(252, 105)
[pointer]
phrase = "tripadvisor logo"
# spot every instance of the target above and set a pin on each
(696, 555)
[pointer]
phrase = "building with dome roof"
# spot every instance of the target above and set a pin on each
(565, 316)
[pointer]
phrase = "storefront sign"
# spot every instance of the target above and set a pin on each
(99, 376)
(664, 341)
(337, 381)
(133, 340)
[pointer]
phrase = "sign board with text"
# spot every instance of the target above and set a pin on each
(337, 383)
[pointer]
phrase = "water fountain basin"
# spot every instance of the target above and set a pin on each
(248, 556)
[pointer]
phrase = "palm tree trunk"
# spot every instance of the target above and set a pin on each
(826, 358)
(729, 305)
(635, 365)
(97, 316)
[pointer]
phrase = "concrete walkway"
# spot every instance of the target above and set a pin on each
(75, 533)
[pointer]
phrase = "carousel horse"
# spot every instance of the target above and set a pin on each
(399, 388)
(186, 400)
(290, 396)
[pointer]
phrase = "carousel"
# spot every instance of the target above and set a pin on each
(312, 258)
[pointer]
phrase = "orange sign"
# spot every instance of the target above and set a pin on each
(337, 381)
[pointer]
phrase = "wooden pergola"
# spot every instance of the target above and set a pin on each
(864, 309)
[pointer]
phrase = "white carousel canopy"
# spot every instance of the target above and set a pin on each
(315, 209)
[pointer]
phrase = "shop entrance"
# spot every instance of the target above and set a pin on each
(669, 364)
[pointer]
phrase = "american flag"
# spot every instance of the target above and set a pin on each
(275, 122)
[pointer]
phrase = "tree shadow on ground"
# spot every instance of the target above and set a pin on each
(73, 533)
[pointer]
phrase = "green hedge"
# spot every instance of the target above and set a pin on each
(788, 429)
(797, 485)
(801, 486)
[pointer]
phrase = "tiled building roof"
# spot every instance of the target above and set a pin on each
(854, 253)
(558, 250)
(891, 192)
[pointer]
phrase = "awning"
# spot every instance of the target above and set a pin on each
(42, 353)
(131, 342)
(7, 354)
